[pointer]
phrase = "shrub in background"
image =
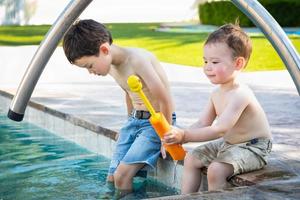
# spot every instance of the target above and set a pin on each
(285, 12)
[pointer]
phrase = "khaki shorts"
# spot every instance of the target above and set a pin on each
(244, 157)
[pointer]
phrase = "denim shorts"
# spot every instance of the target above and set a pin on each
(137, 143)
(244, 157)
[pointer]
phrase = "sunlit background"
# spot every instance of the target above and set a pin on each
(45, 12)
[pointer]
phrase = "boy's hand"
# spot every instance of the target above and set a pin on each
(163, 152)
(174, 136)
(117, 136)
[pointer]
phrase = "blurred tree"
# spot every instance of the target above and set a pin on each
(29, 10)
(17, 12)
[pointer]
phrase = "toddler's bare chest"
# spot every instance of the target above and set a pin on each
(220, 103)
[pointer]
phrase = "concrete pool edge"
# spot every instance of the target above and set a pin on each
(78, 132)
(93, 137)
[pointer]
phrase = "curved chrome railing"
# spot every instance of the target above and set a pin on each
(252, 8)
(278, 38)
(42, 56)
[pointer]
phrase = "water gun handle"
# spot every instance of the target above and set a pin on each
(157, 120)
(161, 126)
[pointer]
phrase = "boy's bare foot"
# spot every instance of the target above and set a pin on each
(121, 193)
(110, 178)
(109, 190)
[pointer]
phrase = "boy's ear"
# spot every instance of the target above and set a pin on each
(240, 63)
(104, 48)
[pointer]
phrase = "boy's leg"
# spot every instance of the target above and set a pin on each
(125, 138)
(191, 178)
(144, 150)
(217, 174)
(124, 174)
(236, 159)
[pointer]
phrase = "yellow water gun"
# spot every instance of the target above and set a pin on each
(157, 119)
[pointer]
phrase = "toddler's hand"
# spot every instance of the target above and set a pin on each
(174, 136)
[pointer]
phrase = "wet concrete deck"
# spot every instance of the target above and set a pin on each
(279, 190)
(99, 101)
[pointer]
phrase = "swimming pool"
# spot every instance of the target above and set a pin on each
(37, 164)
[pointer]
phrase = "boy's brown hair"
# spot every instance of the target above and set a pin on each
(236, 39)
(84, 39)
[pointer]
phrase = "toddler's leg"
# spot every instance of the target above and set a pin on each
(191, 178)
(217, 174)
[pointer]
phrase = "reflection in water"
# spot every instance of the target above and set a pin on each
(35, 164)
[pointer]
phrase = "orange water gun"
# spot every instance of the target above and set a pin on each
(157, 119)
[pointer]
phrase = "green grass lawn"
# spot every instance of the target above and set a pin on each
(178, 48)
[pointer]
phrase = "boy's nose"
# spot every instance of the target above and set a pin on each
(207, 67)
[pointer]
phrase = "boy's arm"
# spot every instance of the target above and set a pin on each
(157, 88)
(207, 117)
(129, 109)
(225, 122)
(128, 104)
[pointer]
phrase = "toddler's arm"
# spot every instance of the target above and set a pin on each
(174, 136)
(205, 131)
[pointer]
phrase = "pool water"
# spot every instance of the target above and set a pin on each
(202, 28)
(37, 164)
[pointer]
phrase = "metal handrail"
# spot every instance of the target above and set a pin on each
(252, 8)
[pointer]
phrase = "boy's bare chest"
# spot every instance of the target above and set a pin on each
(220, 103)
(121, 77)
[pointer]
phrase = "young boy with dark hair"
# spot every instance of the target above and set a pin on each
(88, 44)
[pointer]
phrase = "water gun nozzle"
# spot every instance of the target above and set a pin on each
(134, 83)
